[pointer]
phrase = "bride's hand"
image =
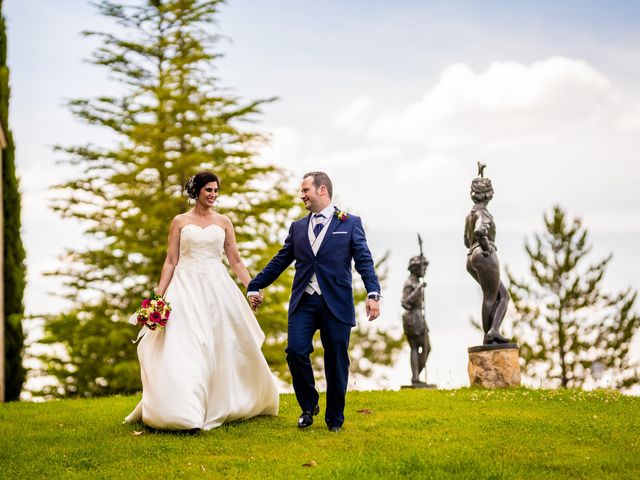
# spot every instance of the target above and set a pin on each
(255, 301)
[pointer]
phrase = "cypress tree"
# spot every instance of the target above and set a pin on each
(14, 254)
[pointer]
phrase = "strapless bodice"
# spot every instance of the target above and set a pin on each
(200, 247)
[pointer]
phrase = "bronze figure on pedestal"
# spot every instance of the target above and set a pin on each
(482, 259)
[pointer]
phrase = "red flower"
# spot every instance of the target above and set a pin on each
(155, 317)
(145, 303)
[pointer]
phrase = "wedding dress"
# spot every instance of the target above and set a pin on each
(205, 368)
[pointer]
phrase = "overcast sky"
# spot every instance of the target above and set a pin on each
(397, 101)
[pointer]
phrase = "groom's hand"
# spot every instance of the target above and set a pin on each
(373, 309)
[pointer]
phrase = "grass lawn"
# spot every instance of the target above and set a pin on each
(466, 433)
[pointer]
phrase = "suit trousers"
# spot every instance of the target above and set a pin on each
(312, 314)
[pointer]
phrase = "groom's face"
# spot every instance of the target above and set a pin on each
(310, 196)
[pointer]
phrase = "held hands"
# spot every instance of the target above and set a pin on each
(373, 309)
(255, 301)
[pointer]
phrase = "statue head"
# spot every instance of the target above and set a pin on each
(481, 190)
(418, 265)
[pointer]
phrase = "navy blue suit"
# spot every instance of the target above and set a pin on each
(333, 312)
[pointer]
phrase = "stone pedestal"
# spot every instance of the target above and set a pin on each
(494, 366)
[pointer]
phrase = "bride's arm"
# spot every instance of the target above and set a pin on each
(233, 255)
(173, 253)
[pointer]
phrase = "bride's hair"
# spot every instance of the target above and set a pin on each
(199, 180)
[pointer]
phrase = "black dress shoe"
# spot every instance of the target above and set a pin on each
(306, 419)
(333, 428)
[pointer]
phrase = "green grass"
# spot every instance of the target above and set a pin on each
(467, 433)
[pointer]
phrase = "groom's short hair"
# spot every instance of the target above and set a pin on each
(321, 178)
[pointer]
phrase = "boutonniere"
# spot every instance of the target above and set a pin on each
(341, 215)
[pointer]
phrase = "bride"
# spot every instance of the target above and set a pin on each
(205, 367)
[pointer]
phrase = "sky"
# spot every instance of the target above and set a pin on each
(397, 101)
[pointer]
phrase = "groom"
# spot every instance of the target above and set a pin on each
(322, 245)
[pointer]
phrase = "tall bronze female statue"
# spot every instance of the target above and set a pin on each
(482, 259)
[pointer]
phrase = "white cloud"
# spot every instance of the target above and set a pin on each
(509, 98)
(553, 131)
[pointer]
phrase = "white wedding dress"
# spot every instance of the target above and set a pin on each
(205, 368)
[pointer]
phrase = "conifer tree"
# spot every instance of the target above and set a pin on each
(14, 254)
(571, 332)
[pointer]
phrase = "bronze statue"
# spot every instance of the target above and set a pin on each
(413, 319)
(482, 259)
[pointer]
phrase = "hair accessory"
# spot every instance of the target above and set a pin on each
(189, 187)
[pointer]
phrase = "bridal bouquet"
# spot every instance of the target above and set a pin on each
(153, 312)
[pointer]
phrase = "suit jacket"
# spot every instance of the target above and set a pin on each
(343, 242)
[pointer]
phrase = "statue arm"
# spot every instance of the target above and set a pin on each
(481, 234)
(411, 295)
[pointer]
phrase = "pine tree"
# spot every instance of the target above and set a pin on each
(570, 332)
(14, 254)
(172, 120)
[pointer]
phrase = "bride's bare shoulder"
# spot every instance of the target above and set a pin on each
(180, 220)
(222, 220)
